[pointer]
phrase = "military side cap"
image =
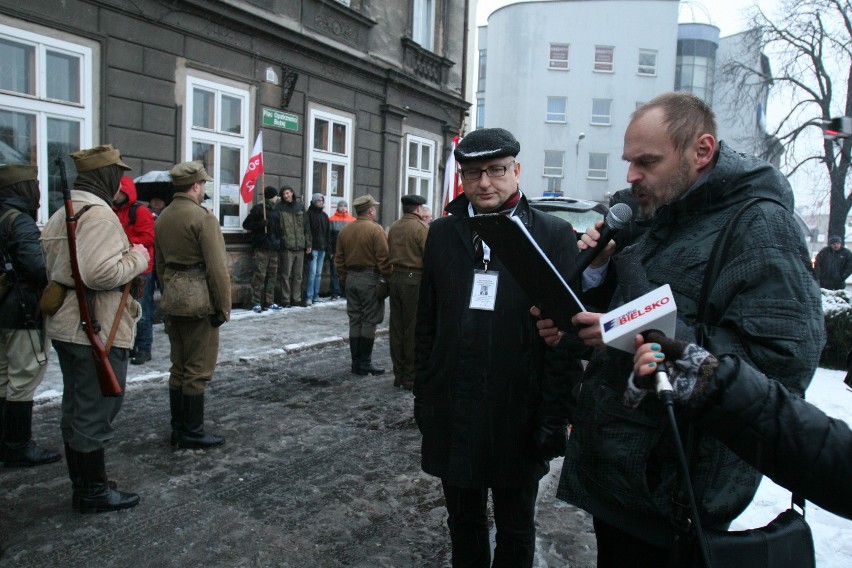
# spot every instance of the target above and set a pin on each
(487, 144)
(15, 173)
(413, 200)
(364, 202)
(98, 157)
(188, 173)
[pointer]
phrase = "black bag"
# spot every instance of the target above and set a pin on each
(786, 542)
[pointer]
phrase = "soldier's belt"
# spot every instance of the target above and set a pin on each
(185, 267)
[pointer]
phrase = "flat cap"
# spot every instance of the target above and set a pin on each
(98, 157)
(15, 173)
(364, 202)
(188, 173)
(413, 200)
(486, 144)
(834, 239)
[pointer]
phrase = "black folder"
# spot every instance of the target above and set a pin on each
(529, 266)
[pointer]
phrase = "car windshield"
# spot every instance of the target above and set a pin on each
(580, 220)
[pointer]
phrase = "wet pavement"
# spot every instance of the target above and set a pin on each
(320, 467)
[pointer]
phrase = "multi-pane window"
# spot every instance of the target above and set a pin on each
(480, 81)
(45, 106)
(218, 135)
(602, 112)
(554, 163)
(558, 56)
(695, 67)
(604, 58)
(480, 113)
(420, 167)
(557, 109)
(598, 164)
(330, 160)
(647, 62)
(423, 23)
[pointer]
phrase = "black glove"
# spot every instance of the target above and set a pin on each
(216, 322)
(550, 438)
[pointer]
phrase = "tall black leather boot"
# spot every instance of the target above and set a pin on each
(366, 344)
(192, 434)
(18, 447)
(97, 494)
(74, 475)
(176, 407)
(355, 351)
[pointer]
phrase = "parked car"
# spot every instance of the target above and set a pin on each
(579, 212)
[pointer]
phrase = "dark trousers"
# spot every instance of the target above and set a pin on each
(404, 294)
(145, 325)
(87, 415)
(617, 549)
(514, 519)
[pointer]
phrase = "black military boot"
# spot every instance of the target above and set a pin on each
(354, 350)
(366, 345)
(176, 407)
(74, 475)
(97, 493)
(192, 434)
(19, 450)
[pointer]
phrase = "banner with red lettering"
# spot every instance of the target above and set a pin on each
(253, 170)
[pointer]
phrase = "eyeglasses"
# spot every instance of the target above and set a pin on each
(490, 171)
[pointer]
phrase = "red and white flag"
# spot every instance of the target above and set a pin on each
(452, 179)
(253, 170)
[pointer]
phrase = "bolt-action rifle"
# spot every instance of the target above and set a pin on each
(106, 374)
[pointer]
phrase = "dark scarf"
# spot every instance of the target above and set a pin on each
(102, 182)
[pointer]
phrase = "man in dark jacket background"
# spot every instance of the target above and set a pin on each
(264, 222)
(295, 244)
(320, 245)
(491, 398)
(764, 307)
(23, 345)
(833, 265)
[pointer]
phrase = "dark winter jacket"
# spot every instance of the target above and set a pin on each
(832, 268)
(19, 239)
(764, 306)
(320, 228)
(265, 233)
(295, 231)
(779, 433)
(486, 384)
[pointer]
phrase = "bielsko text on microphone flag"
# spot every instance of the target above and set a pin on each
(253, 170)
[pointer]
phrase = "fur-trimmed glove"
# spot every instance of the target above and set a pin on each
(688, 365)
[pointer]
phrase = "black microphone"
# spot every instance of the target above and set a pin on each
(619, 216)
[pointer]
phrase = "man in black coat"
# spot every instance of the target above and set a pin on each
(265, 225)
(833, 265)
(491, 398)
(23, 346)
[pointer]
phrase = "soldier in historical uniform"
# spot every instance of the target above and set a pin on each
(107, 262)
(23, 346)
(191, 264)
(363, 267)
(406, 241)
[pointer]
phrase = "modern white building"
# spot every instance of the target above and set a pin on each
(565, 76)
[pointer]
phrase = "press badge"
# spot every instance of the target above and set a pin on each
(483, 296)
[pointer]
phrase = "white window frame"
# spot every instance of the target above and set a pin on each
(598, 173)
(644, 69)
(43, 108)
(423, 23)
(559, 63)
(419, 173)
(598, 117)
(551, 171)
(329, 157)
(218, 138)
(557, 117)
(601, 65)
